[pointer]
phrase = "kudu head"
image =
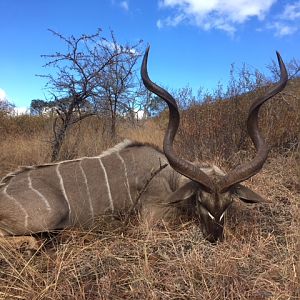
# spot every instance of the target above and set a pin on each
(213, 195)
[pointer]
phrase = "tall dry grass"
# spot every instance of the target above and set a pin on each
(259, 259)
(218, 128)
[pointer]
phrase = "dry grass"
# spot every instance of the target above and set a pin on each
(149, 132)
(259, 259)
(218, 128)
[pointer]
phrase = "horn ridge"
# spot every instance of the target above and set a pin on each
(249, 169)
(182, 166)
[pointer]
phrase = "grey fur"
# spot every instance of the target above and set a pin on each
(76, 192)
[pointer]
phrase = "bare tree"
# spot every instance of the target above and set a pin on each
(84, 73)
(120, 83)
(148, 104)
(293, 69)
(6, 106)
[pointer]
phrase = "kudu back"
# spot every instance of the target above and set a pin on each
(76, 192)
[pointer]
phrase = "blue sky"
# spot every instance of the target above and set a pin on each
(193, 42)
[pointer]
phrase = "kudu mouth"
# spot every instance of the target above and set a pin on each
(186, 168)
(213, 238)
(213, 232)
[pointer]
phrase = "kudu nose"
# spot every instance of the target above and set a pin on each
(214, 233)
(212, 238)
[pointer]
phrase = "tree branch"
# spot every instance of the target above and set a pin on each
(142, 191)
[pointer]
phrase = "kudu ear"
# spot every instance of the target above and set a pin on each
(246, 195)
(185, 192)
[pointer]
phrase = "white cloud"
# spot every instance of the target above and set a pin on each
(159, 24)
(124, 5)
(2, 95)
(287, 23)
(218, 14)
(172, 22)
(282, 29)
(291, 11)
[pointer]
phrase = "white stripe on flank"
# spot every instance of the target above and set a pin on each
(87, 189)
(19, 204)
(126, 176)
(134, 168)
(61, 182)
(107, 185)
(37, 192)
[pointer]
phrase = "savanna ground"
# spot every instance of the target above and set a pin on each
(259, 259)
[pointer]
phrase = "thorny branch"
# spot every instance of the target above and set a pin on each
(142, 191)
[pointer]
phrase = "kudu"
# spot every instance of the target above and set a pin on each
(75, 192)
(213, 195)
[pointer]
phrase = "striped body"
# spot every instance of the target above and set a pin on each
(75, 192)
